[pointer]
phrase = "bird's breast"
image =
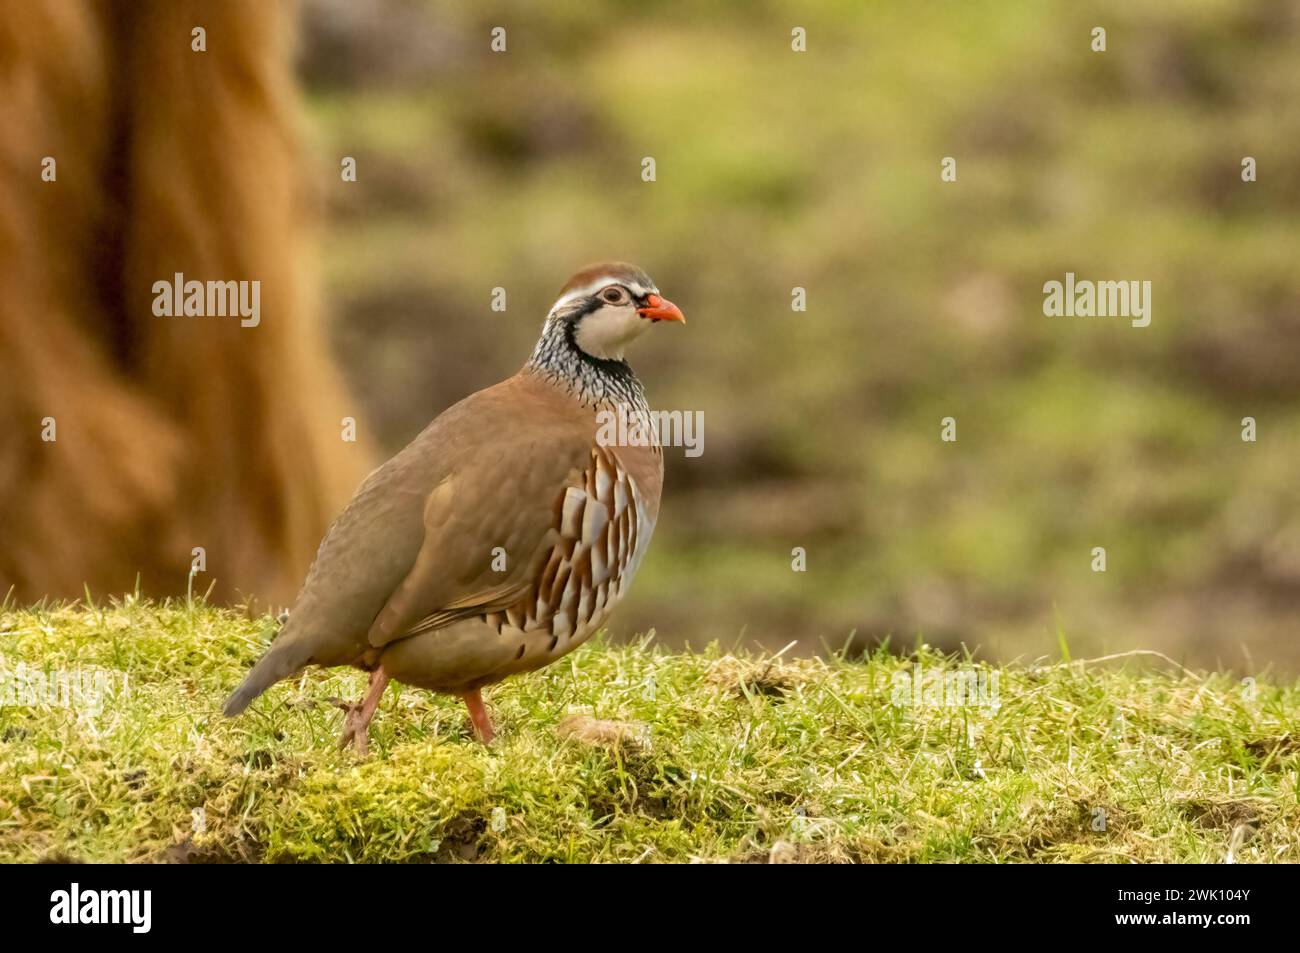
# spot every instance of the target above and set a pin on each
(603, 521)
(604, 527)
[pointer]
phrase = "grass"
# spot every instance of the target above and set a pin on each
(632, 754)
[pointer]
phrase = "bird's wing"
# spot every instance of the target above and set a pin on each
(500, 504)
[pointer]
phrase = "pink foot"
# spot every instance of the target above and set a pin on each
(356, 726)
(478, 716)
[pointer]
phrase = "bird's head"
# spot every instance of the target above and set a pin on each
(602, 308)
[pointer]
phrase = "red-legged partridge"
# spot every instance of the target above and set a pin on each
(503, 536)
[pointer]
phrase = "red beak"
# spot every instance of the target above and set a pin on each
(660, 309)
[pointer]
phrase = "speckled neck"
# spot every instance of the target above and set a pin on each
(595, 382)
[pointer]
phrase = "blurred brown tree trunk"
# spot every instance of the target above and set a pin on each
(171, 432)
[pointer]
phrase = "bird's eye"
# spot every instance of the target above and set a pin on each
(613, 295)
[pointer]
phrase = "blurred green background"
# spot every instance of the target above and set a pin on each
(778, 169)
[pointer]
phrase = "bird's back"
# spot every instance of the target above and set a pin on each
(502, 454)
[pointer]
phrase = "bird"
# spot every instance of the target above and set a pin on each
(503, 536)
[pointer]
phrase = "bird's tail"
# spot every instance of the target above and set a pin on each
(280, 661)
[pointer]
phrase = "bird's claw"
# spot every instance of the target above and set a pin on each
(355, 731)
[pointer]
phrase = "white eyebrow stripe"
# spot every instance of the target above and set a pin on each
(592, 287)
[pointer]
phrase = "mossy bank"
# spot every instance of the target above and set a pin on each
(112, 748)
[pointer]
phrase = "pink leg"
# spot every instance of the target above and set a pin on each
(478, 715)
(356, 726)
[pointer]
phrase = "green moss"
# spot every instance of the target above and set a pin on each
(739, 758)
